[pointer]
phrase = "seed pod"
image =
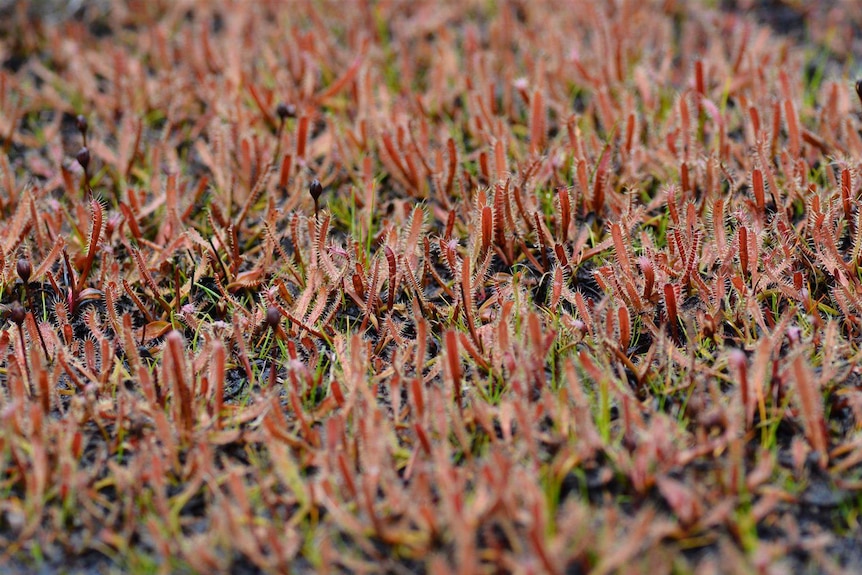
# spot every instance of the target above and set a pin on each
(859, 89)
(17, 313)
(24, 269)
(83, 157)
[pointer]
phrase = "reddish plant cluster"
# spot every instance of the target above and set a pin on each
(410, 287)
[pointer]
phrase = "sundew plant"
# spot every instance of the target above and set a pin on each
(417, 287)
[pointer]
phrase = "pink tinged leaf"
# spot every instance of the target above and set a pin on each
(681, 499)
(811, 404)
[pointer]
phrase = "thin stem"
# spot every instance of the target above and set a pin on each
(24, 352)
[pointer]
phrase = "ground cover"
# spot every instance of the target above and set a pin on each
(412, 287)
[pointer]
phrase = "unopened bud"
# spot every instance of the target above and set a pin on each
(81, 123)
(285, 111)
(83, 157)
(315, 189)
(273, 317)
(24, 269)
(17, 313)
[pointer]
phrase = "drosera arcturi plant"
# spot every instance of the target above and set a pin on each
(581, 300)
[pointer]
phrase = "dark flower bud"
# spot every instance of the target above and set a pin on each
(273, 317)
(17, 313)
(24, 269)
(859, 89)
(315, 189)
(83, 157)
(285, 111)
(81, 123)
